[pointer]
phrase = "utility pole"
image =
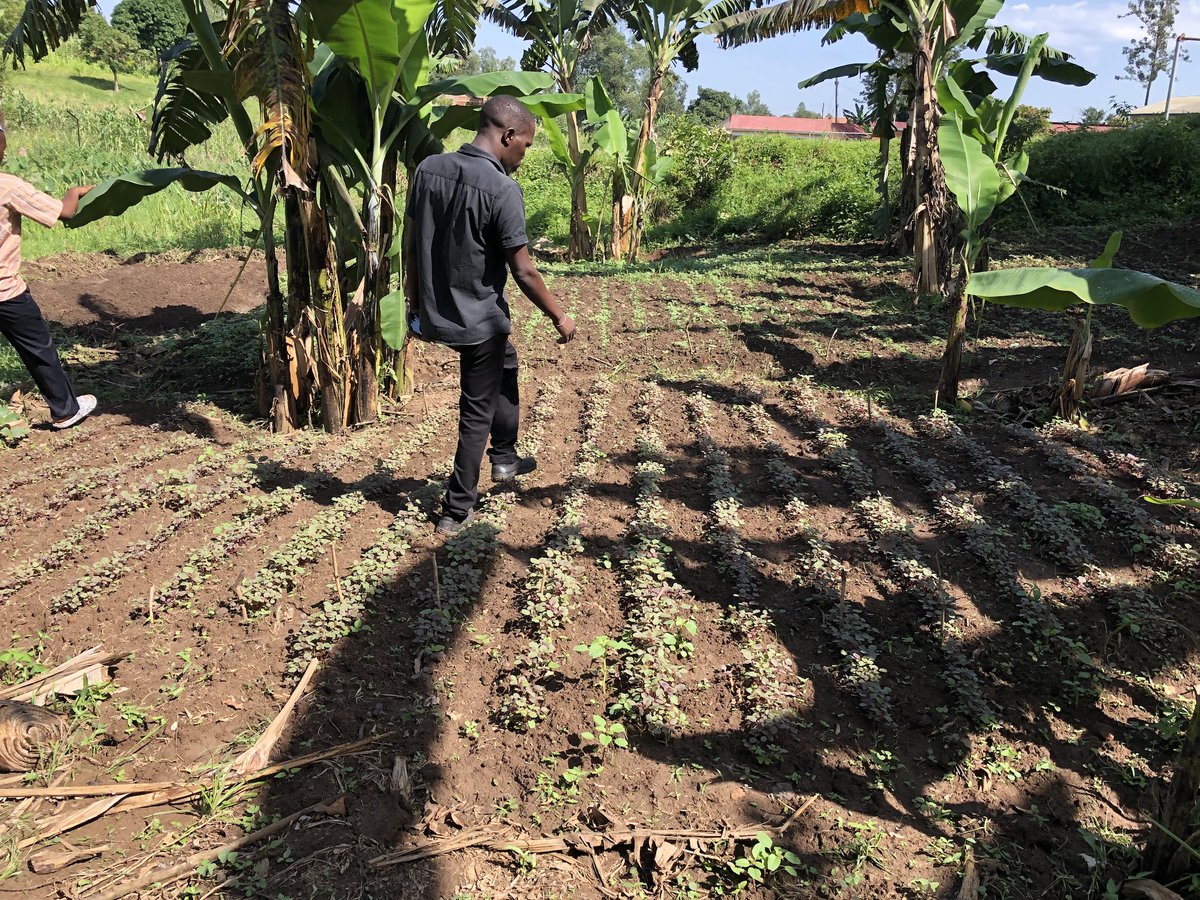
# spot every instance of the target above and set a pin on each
(835, 99)
(1171, 80)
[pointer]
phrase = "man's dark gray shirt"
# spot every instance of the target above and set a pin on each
(466, 213)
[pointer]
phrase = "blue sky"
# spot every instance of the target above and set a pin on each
(1093, 32)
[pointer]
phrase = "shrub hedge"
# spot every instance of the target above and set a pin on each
(1125, 176)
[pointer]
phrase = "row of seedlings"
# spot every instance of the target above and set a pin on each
(351, 599)
(231, 538)
(102, 577)
(1054, 533)
(97, 482)
(546, 594)
(1140, 529)
(891, 541)
(658, 610)
(471, 552)
(1157, 482)
(173, 489)
(824, 576)
(59, 463)
(956, 512)
(770, 684)
(283, 570)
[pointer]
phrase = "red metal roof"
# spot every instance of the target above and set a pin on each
(792, 125)
(1061, 127)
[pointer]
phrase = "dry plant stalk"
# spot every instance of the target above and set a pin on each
(258, 756)
(587, 841)
(188, 866)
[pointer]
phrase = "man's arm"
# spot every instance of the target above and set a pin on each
(529, 280)
(70, 203)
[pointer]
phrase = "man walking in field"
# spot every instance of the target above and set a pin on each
(21, 320)
(465, 231)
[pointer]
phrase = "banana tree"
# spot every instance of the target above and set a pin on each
(1150, 301)
(915, 42)
(557, 34)
(979, 173)
(603, 133)
(669, 29)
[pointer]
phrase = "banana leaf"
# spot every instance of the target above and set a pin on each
(1189, 504)
(1149, 300)
(393, 319)
(970, 174)
(118, 194)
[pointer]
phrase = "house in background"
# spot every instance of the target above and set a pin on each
(826, 129)
(1180, 106)
(841, 130)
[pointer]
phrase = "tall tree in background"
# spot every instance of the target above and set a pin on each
(485, 59)
(623, 67)
(803, 112)
(1148, 56)
(713, 107)
(157, 25)
(754, 105)
(107, 46)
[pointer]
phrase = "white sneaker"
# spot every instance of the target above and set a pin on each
(87, 405)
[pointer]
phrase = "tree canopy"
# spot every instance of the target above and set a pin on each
(156, 25)
(713, 107)
(1147, 56)
(100, 43)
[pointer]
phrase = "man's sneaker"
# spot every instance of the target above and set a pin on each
(451, 526)
(87, 405)
(507, 471)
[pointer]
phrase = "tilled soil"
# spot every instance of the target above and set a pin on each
(900, 782)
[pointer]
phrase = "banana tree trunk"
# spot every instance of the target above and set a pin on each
(933, 244)
(640, 185)
(1074, 380)
(622, 213)
(883, 167)
(627, 193)
(1173, 851)
(581, 244)
(365, 341)
(900, 240)
(947, 389)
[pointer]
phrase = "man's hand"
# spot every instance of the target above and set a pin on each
(70, 204)
(566, 329)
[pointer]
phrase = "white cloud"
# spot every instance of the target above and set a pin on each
(1092, 32)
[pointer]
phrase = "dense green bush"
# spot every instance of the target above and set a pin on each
(754, 186)
(783, 187)
(1115, 177)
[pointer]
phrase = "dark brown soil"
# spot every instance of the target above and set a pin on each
(895, 810)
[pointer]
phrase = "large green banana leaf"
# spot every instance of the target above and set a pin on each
(118, 194)
(377, 38)
(487, 84)
(1149, 300)
(970, 174)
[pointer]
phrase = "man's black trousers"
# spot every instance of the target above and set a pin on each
(489, 404)
(22, 324)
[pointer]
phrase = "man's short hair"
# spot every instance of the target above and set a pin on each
(504, 112)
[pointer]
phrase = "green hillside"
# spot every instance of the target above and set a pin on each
(62, 78)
